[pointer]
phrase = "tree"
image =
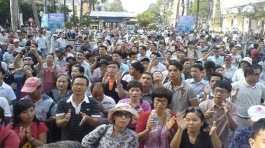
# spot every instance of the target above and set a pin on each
(146, 18)
(4, 11)
(204, 9)
(35, 13)
(115, 6)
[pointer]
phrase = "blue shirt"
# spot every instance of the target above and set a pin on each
(240, 139)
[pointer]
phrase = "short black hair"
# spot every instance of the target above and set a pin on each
(217, 67)
(117, 52)
(102, 46)
(198, 66)
(223, 84)
(256, 127)
(250, 70)
(175, 63)
(115, 63)
(96, 84)
(209, 64)
(82, 77)
(138, 66)
(184, 60)
(80, 68)
(216, 74)
(162, 92)
(132, 53)
(144, 48)
(134, 84)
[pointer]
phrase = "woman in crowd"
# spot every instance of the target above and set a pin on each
(117, 134)
(28, 71)
(31, 132)
(135, 89)
(62, 88)
(190, 131)
(167, 58)
(155, 128)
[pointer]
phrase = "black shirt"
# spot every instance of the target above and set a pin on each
(203, 141)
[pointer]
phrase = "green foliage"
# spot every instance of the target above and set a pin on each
(145, 18)
(153, 27)
(115, 6)
(68, 25)
(260, 15)
(86, 22)
(4, 11)
(26, 10)
(204, 9)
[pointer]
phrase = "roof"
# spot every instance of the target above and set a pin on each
(112, 14)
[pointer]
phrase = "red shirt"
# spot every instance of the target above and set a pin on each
(12, 140)
(142, 123)
(254, 54)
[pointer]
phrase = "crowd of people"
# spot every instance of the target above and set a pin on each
(142, 89)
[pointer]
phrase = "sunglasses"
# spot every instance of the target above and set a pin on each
(27, 59)
(123, 114)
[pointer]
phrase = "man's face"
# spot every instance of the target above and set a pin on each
(141, 50)
(258, 141)
(79, 86)
(146, 80)
(220, 94)
(112, 69)
(35, 94)
(195, 73)
(145, 64)
(213, 80)
(79, 56)
(98, 93)
(173, 72)
(255, 76)
(28, 60)
(116, 57)
(186, 65)
(102, 51)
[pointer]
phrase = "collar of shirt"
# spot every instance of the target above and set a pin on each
(4, 85)
(247, 85)
(72, 101)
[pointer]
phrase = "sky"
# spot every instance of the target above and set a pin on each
(137, 6)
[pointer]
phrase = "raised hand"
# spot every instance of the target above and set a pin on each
(29, 136)
(170, 123)
(105, 78)
(234, 92)
(209, 113)
(83, 119)
(118, 78)
(181, 122)
(68, 115)
(22, 132)
(226, 107)
(150, 123)
(213, 129)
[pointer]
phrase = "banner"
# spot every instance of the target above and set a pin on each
(56, 21)
(185, 23)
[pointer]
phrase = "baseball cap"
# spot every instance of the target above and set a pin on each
(145, 59)
(16, 40)
(54, 35)
(247, 59)
(256, 112)
(31, 85)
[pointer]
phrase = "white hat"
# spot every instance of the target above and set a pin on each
(247, 59)
(16, 40)
(238, 45)
(256, 112)
(123, 107)
(54, 35)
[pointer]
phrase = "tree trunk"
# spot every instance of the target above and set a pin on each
(74, 12)
(197, 13)
(35, 13)
(14, 15)
(81, 11)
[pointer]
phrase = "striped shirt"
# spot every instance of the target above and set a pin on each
(248, 96)
(72, 131)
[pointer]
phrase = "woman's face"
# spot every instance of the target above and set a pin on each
(160, 104)
(193, 122)
(135, 93)
(122, 118)
(75, 72)
(27, 115)
(62, 83)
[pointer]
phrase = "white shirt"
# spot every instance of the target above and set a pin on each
(4, 104)
(7, 92)
(238, 75)
(108, 103)
(41, 41)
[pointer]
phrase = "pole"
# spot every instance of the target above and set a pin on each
(197, 13)
(64, 5)
(74, 12)
(45, 7)
(14, 14)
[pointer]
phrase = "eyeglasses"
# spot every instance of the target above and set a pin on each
(79, 84)
(222, 91)
(157, 101)
(256, 74)
(123, 114)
